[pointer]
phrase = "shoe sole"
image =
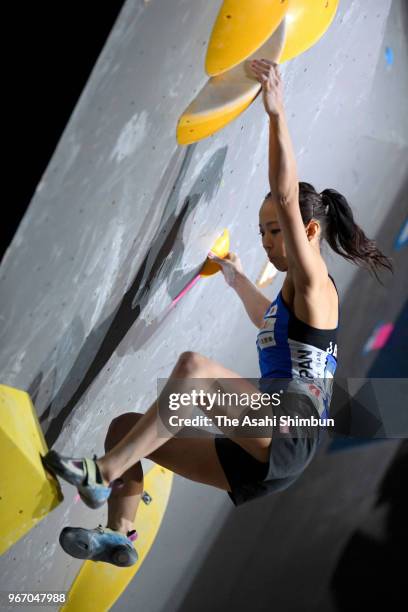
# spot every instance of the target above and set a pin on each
(77, 542)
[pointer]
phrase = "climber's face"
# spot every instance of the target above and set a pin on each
(272, 237)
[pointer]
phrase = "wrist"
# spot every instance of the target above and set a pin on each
(276, 114)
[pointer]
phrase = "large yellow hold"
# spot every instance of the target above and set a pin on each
(245, 30)
(306, 22)
(27, 491)
(226, 96)
(99, 585)
(242, 26)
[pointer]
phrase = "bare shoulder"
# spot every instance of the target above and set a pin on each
(317, 279)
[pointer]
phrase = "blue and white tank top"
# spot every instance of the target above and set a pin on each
(291, 349)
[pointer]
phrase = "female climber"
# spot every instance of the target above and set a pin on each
(297, 348)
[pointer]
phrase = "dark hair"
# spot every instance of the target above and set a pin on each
(338, 227)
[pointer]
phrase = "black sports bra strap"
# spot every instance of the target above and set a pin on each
(338, 301)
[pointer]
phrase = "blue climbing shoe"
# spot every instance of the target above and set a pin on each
(84, 474)
(100, 544)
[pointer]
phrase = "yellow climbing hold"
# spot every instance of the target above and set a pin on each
(306, 22)
(220, 248)
(99, 585)
(27, 492)
(226, 96)
(240, 29)
(220, 101)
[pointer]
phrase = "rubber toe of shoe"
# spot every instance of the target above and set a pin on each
(53, 462)
(92, 493)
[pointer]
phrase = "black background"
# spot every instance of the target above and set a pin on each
(50, 52)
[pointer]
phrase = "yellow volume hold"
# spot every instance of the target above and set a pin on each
(242, 26)
(99, 585)
(226, 96)
(306, 22)
(214, 107)
(27, 491)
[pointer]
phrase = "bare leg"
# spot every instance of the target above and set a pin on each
(143, 438)
(123, 502)
(192, 458)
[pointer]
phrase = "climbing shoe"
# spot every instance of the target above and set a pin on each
(100, 544)
(84, 474)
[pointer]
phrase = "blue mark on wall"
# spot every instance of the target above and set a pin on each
(389, 56)
(402, 238)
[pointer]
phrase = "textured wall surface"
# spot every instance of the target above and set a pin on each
(123, 218)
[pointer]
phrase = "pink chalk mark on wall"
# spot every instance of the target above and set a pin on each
(184, 291)
(379, 337)
(382, 336)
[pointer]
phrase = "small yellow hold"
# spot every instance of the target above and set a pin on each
(221, 249)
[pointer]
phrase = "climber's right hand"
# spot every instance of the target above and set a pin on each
(231, 267)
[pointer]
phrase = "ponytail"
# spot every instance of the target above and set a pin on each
(338, 227)
(346, 238)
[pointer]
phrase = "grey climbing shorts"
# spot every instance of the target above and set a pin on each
(289, 454)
